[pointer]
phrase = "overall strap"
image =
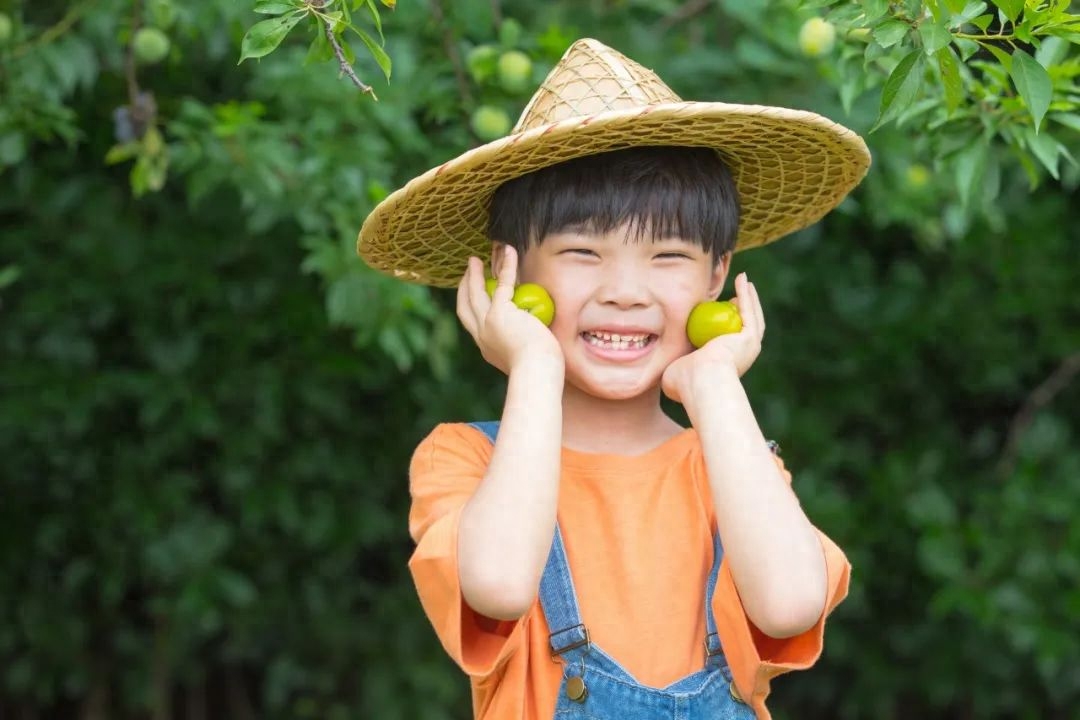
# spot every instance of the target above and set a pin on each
(557, 596)
(559, 601)
(714, 653)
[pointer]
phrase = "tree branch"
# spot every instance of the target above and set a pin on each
(685, 12)
(450, 48)
(339, 52)
(1038, 399)
(52, 33)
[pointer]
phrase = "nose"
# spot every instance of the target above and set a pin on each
(623, 285)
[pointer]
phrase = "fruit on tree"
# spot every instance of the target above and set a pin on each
(150, 45)
(917, 176)
(490, 123)
(481, 61)
(817, 37)
(515, 71)
(712, 319)
(7, 28)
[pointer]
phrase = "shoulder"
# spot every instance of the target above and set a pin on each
(454, 442)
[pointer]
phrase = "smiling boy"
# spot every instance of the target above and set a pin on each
(587, 557)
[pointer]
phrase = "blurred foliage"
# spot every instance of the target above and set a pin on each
(208, 402)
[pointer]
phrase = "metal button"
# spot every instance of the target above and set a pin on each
(576, 690)
(735, 693)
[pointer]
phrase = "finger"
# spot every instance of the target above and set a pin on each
(506, 275)
(477, 295)
(759, 312)
(744, 302)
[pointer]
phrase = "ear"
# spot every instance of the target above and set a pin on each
(497, 250)
(719, 275)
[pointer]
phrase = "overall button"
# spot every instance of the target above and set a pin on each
(735, 693)
(576, 690)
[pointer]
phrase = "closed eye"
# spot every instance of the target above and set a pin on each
(673, 255)
(578, 251)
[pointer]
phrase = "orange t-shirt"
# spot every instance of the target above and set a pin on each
(638, 536)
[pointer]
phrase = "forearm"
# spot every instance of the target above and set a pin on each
(507, 525)
(774, 552)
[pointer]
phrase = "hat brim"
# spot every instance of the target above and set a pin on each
(790, 167)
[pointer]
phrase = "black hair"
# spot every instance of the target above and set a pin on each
(660, 192)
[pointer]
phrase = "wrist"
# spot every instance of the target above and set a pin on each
(710, 392)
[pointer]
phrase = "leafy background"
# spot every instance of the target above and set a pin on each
(207, 403)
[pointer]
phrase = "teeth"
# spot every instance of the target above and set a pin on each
(615, 341)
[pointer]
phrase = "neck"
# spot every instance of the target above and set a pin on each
(616, 427)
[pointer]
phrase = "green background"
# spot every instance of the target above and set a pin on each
(207, 404)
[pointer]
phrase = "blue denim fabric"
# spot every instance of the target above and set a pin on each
(611, 691)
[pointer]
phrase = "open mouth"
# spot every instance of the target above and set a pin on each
(615, 341)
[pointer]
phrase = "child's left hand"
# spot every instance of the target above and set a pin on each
(737, 351)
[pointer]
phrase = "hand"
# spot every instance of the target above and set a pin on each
(736, 351)
(505, 334)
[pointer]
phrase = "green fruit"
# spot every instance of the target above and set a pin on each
(162, 13)
(535, 300)
(510, 32)
(515, 71)
(490, 123)
(817, 37)
(150, 45)
(7, 28)
(481, 62)
(530, 297)
(712, 319)
(917, 176)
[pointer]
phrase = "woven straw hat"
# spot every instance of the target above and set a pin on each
(791, 167)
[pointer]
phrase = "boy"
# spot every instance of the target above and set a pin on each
(587, 557)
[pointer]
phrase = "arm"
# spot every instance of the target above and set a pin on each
(774, 552)
(776, 558)
(507, 525)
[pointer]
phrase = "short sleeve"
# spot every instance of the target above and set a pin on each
(446, 469)
(755, 657)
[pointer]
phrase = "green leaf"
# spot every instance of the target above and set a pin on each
(934, 37)
(849, 90)
(901, 87)
(1011, 8)
(970, 11)
(319, 50)
(1033, 83)
(1053, 51)
(1002, 57)
(264, 36)
(891, 32)
(376, 19)
(1045, 148)
(950, 78)
(377, 52)
(873, 9)
(123, 152)
(274, 7)
(1069, 121)
(955, 6)
(969, 165)
(9, 274)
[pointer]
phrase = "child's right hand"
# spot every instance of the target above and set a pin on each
(506, 335)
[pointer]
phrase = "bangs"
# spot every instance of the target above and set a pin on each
(656, 192)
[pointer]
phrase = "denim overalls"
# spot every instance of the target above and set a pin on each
(595, 687)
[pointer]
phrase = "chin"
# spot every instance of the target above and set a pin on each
(613, 388)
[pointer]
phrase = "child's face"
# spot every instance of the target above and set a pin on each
(621, 305)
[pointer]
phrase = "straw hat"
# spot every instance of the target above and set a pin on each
(791, 167)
